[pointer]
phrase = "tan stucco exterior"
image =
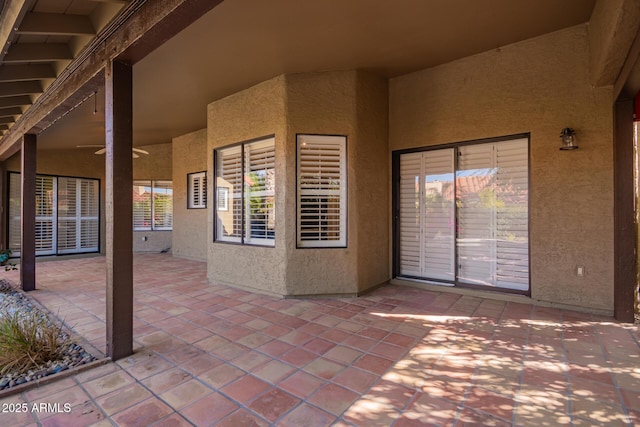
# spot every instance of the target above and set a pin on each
(253, 113)
(348, 103)
(538, 86)
(83, 163)
(190, 234)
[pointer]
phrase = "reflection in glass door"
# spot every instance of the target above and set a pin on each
(427, 232)
(473, 229)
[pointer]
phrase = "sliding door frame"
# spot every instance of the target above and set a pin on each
(395, 206)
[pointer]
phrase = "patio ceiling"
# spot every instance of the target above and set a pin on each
(243, 42)
(39, 39)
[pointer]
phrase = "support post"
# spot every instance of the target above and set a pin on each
(28, 213)
(119, 181)
(624, 252)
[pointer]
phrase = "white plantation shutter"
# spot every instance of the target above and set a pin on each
(476, 214)
(68, 224)
(512, 216)
(142, 205)
(45, 203)
(322, 191)
(197, 190)
(162, 193)
(439, 213)
(259, 194)
(229, 177)
(411, 219)
(14, 213)
(78, 215)
(427, 244)
(67, 215)
(490, 214)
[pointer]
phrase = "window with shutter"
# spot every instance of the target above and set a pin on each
(142, 205)
(322, 191)
(152, 205)
(67, 215)
(472, 229)
(162, 192)
(229, 181)
(245, 193)
(78, 215)
(14, 213)
(197, 190)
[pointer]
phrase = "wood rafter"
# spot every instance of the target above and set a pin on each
(56, 24)
(7, 120)
(38, 52)
(10, 112)
(15, 101)
(20, 88)
(139, 29)
(17, 73)
(14, 11)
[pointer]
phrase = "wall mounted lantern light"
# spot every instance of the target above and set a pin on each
(568, 138)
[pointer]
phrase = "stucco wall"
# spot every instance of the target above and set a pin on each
(79, 163)
(190, 234)
(83, 163)
(539, 86)
(354, 104)
(253, 113)
(350, 103)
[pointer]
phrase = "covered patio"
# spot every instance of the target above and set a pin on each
(207, 354)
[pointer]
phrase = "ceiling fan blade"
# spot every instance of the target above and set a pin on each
(101, 151)
(138, 150)
(134, 155)
(90, 146)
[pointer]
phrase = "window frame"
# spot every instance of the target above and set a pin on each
(191, 178)
(243, 236)
(342, 242)
(151, 183)
(13, 178)
(396, 190)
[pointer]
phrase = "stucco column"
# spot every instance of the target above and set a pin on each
(119, 233)
(28, 213)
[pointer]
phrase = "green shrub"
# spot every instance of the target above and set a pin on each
(27, 341)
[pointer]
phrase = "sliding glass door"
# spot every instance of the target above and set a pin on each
(463, 215)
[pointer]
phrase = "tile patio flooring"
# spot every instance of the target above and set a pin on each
(214, 355)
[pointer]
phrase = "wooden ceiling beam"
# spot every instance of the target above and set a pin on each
(38, 52)
(20, 88)
(7, 120)
(12, 14)
(11, 111)
(15, 101)
(4, 127)
(140, 28)
(56, 24)
(18, 73)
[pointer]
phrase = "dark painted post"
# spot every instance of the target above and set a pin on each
(28, 213)
(624, 246)
(119, 196)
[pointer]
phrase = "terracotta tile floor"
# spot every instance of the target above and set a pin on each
(214, 355)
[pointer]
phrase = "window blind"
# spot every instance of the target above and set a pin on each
(322, 191)
(197, 190)
(162, 205)
(142, 205)
(229, 184)
(259, 180)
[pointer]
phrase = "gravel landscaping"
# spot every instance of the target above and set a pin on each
(72, 355)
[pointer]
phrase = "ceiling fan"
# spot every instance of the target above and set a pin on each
(102, 150)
